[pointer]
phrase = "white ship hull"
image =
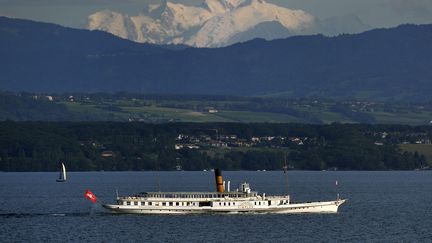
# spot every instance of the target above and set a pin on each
(312, 207)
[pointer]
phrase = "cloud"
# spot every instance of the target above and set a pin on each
(409, 8)
(84, 3)
(395, 12)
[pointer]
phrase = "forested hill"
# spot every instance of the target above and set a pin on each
(39, 146)
(382, 64)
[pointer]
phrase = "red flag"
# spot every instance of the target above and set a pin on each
(90, 196)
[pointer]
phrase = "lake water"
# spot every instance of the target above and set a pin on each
(382, 206)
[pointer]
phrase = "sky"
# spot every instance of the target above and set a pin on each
(73, 13)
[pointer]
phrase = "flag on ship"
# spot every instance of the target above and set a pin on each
(90, 196)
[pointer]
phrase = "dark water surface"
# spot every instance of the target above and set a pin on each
(382, 206)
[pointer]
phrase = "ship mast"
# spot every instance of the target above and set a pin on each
(285, 169)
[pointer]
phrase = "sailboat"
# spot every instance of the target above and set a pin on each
(62, 176)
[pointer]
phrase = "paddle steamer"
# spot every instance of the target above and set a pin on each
(242, 200)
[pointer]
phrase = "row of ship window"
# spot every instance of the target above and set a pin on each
(136, 203)
(259, 203)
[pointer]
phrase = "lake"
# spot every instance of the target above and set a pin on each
(382, 206)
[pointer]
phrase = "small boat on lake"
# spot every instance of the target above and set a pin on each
(242, 200)
(62, 175)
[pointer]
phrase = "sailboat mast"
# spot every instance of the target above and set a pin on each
(285, 168)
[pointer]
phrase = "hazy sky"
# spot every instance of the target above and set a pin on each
(377, 13)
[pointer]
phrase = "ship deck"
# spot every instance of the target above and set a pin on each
(193, 195)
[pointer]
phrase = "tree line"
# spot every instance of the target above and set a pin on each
(111, 146)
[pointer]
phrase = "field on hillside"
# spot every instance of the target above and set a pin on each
(247, 110)
(425, 149)
(187, 108)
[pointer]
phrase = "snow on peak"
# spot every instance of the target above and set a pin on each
(184, 17)
(212, 24)
(219, 30)
(215, 6)
(112, 22)
(153, 7)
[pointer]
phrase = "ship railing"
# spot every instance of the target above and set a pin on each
(195, 195)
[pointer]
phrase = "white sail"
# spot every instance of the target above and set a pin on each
(64, 171)
(62, 175)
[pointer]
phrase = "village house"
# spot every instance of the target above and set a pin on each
(107, 154)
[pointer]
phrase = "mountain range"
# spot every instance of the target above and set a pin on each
(381, 64)
(217, 23)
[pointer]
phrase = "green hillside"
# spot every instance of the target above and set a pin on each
(176, 108)
(424, 149)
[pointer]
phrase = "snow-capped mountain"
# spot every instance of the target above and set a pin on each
(217, 23)
(214, 23)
